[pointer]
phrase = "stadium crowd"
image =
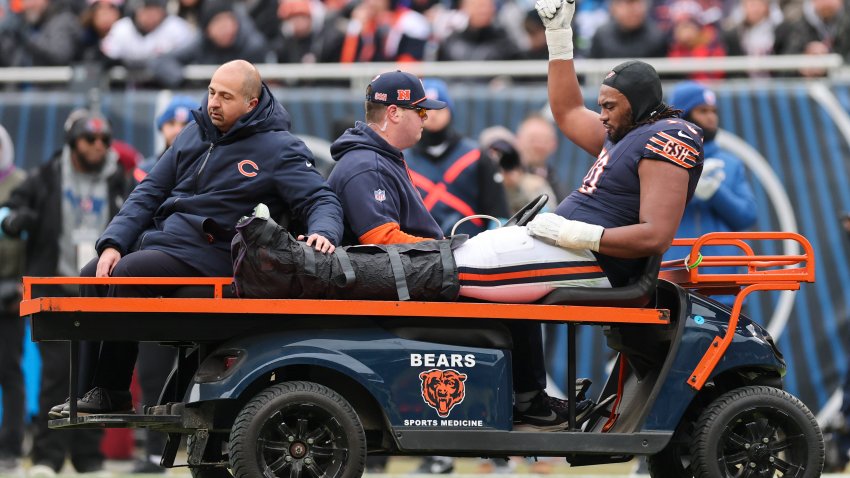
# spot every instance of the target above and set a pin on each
(153, 38)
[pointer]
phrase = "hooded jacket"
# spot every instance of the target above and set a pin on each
(372, 180)
(190, 202)
(40, 198)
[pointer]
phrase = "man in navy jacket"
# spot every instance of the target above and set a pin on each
(180, 220)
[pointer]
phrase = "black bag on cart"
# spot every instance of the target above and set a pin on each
(268, 263)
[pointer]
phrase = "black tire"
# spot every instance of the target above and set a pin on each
(674, 461)
(757, 431)
(297, 429)
(211, 453)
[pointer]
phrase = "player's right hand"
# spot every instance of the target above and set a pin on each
(556, 14)
(108, 260)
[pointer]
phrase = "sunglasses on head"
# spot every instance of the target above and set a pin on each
(91, 138)
(422, 112)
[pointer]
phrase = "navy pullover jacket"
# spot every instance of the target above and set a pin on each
(190, 202)
(372, 181)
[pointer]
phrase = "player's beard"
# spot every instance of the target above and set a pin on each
(616, 134)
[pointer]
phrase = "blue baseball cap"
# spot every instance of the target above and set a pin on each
(438, 90)
(402, 89)
(687, 95)
(180, 109)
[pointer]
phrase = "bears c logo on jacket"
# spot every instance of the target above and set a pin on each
(443, 389)
(248, 168)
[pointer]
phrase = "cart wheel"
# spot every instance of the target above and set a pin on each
(296, 429)
(674, 461)
(212, 453)
(757, 431)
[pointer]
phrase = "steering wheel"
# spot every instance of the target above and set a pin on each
(527, 213)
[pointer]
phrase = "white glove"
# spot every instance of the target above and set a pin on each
(564, 232)
(711, 178)
(557, 16)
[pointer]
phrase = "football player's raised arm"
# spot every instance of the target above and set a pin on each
(579, 124)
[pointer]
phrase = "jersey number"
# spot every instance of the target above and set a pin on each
(588, 185)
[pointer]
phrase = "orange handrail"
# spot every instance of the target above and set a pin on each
(321, 307)
(761, 274)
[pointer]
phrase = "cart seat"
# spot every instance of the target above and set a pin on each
(637, 294)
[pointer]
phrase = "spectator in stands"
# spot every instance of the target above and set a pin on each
(11, 325)
(148, 32)
(262, 13)
(450, 173)
(823, 28)
(44, 33)
(176, 115)
(590, 15)
(383, 30)
(521, 187)
(227, 33)
(482, 40)
(97, 21)
(629, 34)
(305, 35)
(190, 10)
(61, 209)
(537, 141)
(753, 29)
(723, 200)
(693, 37)
(536, 32)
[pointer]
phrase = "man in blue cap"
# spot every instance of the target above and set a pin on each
(723, 199)
(176, 115)
(448, 169)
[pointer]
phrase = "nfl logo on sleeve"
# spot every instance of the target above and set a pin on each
(380, 195)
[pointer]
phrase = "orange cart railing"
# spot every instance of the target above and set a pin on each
(759, 272)
(221, 305)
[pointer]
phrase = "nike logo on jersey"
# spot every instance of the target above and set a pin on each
(682, 134)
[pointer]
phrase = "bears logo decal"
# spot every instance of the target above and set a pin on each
(443, 389)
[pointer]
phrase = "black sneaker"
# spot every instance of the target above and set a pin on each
(548, 414)
(100, 400)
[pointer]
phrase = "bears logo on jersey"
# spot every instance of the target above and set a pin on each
(443, 389)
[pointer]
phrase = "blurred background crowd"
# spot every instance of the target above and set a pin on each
(154, 38)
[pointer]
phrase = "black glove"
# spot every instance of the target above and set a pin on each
(18, 221)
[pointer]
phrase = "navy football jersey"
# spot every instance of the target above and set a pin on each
(610, 192)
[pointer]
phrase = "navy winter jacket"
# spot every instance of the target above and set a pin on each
(190, 202)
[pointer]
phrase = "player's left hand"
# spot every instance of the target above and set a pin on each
(321, 243)
(564, 232)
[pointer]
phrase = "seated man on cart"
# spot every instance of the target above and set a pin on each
(179, 221)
